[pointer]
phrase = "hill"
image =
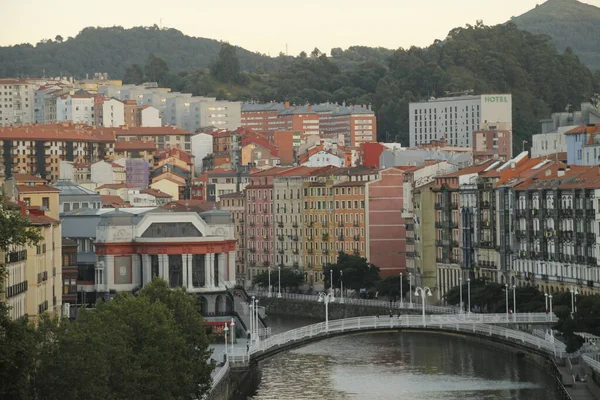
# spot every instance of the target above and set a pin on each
(569, 23)
(113, 49)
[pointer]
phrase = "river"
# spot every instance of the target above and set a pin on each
(415, 366)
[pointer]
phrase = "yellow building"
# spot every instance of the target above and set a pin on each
(169, 186)
(34, 281)
(318, 226)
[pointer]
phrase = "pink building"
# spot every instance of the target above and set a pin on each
(386, 229)
(259, 222)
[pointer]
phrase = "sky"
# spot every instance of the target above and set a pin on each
(265, 26)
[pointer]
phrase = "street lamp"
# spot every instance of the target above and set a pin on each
(269, 281)
(551, 314)
(424, 291)
(232, 327)
(331, 279)
(410, 288)
(225, 329)
(514, 288)
(546, 299)
(326, 298)
(341, 287)
(461, 303)
(252, 319)
(279, 290)
(574, 294)
(469, 294)
(401, 295)
(506, 290)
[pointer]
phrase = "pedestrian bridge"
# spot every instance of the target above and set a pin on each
(490, 326)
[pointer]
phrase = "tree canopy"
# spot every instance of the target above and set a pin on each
(354, 271)
(131, 347)
(290, 279)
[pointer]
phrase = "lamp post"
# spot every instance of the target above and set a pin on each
(551, 314)
(251, 319)
(279, 290)
(514, 288)
(410, 288)
(330, 279)
(574, 294)
(469, 295)
(506, 290)
(341, 287)
(256, 334)
(269, 281)
(326, 298)
(460, 287)
(232, 328)
(401, 294)
(225, 329)
(423, 291)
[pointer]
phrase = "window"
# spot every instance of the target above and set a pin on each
(46, 202)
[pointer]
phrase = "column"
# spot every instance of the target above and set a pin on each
(146, 269)
(209, 265)
(222, 269)
(231, 275)
(165, 259)
(108, 278)
(136, 270)
(184, 271)
(190, 278)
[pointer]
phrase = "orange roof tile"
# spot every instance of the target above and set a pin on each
(22, 178)
(167, 179)
(42, 220)
(156, 193)
(584, 129)
(117, 186)
(128, 145)
(36, 188)
(473, 169)
(113, 200)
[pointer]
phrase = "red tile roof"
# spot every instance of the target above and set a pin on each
(129, 145)
(117, 186)
(22, 178)
(150, 131)
(584, 129)
(473, 169)
(115, 201)
(42, 220)
(36, 188)
(167, 179)
(57, 132)
(156, 193)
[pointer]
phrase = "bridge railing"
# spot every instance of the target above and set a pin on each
(591, 362)
(363, 302)
(219, 375)
(430, 321)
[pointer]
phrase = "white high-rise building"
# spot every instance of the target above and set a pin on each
(17, 101)
(456, 118)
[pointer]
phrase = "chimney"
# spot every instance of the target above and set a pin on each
(286, 104)
(561, 172)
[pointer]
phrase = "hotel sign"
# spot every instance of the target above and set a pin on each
(495, 99)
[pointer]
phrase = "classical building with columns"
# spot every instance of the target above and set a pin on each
(187, 249)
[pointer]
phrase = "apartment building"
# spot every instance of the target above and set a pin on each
(76, 108)
(109, 112)
(165, 136)
(492, 144)
(34, 282)
(16, 101)
(222, 182)
(259, 221)
(262, 118)
(457, 118)
(235, 203)
(45, 100)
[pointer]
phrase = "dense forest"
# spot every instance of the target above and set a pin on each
(569, 23)
(478, 59)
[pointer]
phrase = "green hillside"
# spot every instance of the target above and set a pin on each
(113, 49)
(569, 23)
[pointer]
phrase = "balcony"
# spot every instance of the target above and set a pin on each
(579, 212)
(341, 237)
(566, 213)
(410, 254)
(485, 204)
(280, 224)
(591, 238)
(341, 224)
(325, 237)
(453, 206)
(280, 238)
(439, 206)
(356, 237)
(295, 225)
(251, 237)
(410, 240)
(295, 264)
(310, 251)
(521, 213)
(294, 238)
(356, 224)
(252, 250)
(266, 223)
(265, 250)
(592, 261)
(325, 251)
(252, 224)
(356, 252)
(295, 251)
(280, 251)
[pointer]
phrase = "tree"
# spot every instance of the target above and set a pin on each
(315, 53)
(156, 69)
(130, 347)
(17, 338)
(227, 66)
(390, 287)
(134, 75)
(59, 38)
(357, 272)
(302, 54)
(289, 279)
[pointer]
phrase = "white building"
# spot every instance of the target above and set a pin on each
(456, 118)
(17, 101)
(77, 108)
(202, 145)
(324, 158)
(104, 172)
(112, 113)
(149, 116)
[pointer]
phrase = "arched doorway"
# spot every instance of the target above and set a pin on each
(203, 305)
(218, 304)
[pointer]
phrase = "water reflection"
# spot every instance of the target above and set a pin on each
(414, 366)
